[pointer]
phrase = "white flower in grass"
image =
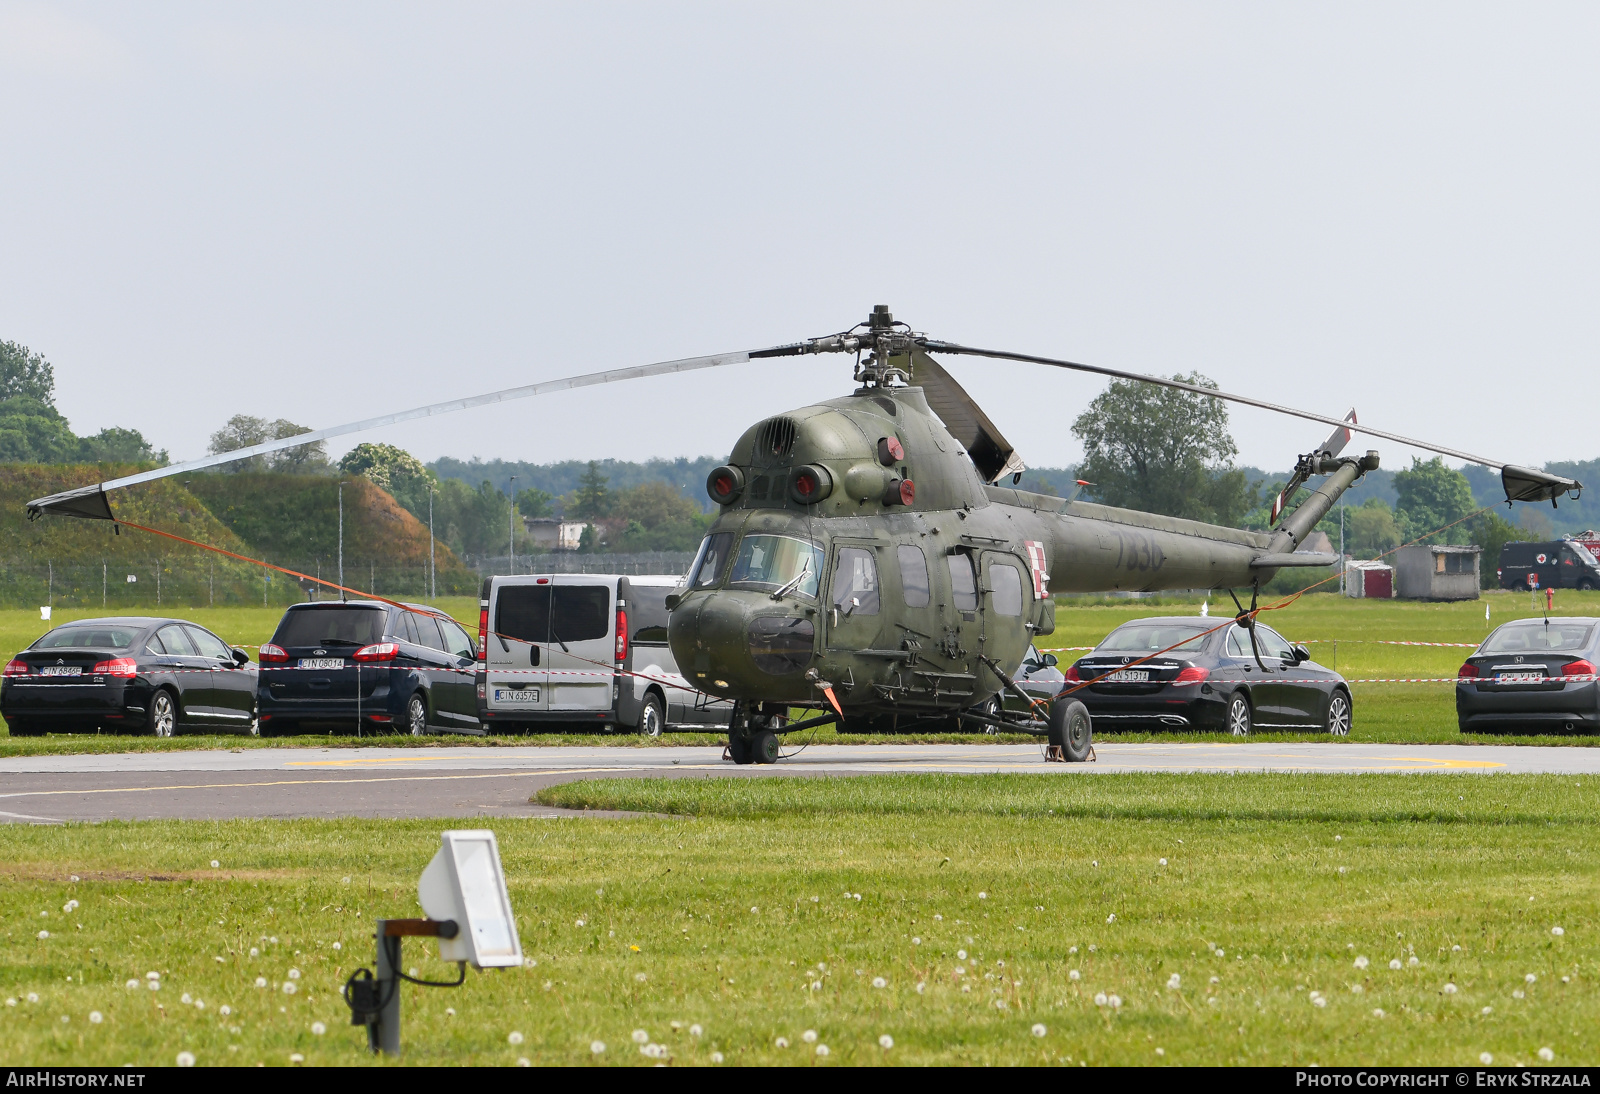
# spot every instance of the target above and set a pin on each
(318, 1028)
(640, 1036)
(1487, 1010)
(65, 1019)
(597, 1047)
(43, 935)
(185, 999)
(1519, 994)
(640, 977)
(153, 985)
(961, 955)
(822, 1050)
(916, 941)
(1174, 982)
(809, 1036)
(1547, 1054)
(1356, 989)
(1074, 975)
(215, 865)
(921, 987)
(1319, 1001)
(1530, 978)
(95, 1017)
(514, 1037)
(654, 1051)
(296, 1059)
(1163, 862)
(1100, 999)
(199, 1004)
(338, 946)
(782, 1042)
(755, 911)
(716, 1057)
(131, 985)
(1413, 961)
(1039, 1030)
(254, 952)
(294, 974)
(523, 1061)
(1450, 989)
(695, 1030)
(886, 1041)
(981, 896)
(1557, 931)
(1112, 918)
(578, 923)
(68, 906)
(224, 1010)
(185, 1059)
(1361, 962)
(1378, 1013)
(1114, 1001)
(290, 987)
(879, 982)
(1395, 964)
(1485, 1058)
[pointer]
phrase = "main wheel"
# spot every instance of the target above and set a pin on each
(651, 720)
(1339, 715)
(989, 708)
(163, 714)
(1071, 730)
(1239, 722)
(765, 747)
(417, 715)
(739, 748)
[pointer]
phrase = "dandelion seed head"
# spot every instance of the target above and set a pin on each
(1450, 989)
(716, 1057)
(809, 1036)
(640, 1036)
(1557, 931)
(640, 977)
(1485, 1058)
(1413, 962)
(514, 1037)
(885, 1041)
(1530, 978)
(1115, 1001)
(822, 1050)
(185, 1059)
(1074, 975)
(1099, 998)
(961, 955)
(261, 981)
(782, 1042)
(1378, 1012)
(338, 946)
(153, 985)
(1519, 994)
(1319, 1001)
(1547, 1054)
(254, 952)
(224, 1010)
(879, 982)
(1039, 1030)
(1361, 962)
(185, 999)
(597, 1047)
(983, 896)
(1395, 964)
(1487, 1010)
(1174, 982)
(916, 941)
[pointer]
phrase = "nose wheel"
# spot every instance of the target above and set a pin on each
(751, 739)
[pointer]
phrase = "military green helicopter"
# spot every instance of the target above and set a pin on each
(867, 562)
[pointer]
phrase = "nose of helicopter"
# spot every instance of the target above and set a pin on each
(743, 644)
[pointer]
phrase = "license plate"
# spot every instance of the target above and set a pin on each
(1519, 678)
(516, 696)
(322, 662)
(61, 670)
(1127, 676)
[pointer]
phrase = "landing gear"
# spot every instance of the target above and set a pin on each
(1071, 732)
(753, 738)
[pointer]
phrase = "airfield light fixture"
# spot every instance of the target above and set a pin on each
(463, 891)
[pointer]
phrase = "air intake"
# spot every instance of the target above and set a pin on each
(777, 437)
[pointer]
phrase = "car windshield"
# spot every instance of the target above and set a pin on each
(1583, 553)
(778, 561)
(98, 637)
(1151, 637)
(335, 625)
(1537, 637)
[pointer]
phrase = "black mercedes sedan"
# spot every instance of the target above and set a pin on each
(1200, 680)
(1536, 675)
(129, 672)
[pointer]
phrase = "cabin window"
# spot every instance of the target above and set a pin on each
(711, 561)
(778, 562)
(913, 575)
(963, 582)
(855, 582)
(1007, 587)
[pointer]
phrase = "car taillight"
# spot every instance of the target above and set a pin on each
(1580, 667)
(483, 633)
(378, 651)
(1467, 671)
(1192, 675)
(1072, 675)
(622, 635)
(16, 667)
(117, 666)
(273, 655)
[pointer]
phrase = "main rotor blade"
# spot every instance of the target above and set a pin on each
(1343, 424)
(89, 501)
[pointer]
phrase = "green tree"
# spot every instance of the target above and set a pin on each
(1491, 531)
(23, 372)
(591, 500)
(394, 469)
(244, 430)
(1161, 450)
(534, 502)
(1430, 496)
(1370, 529)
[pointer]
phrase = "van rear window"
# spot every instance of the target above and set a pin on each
(553, 613)
(334, 625)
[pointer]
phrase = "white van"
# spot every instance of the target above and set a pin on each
(584, 649)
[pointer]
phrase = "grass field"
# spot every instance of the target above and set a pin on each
(1347, 635)
(972, 919)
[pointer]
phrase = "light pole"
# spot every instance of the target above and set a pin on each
(511, 529)
(433, 584)
(341, 541)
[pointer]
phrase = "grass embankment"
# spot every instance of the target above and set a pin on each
(1344, 634)
(987, 906)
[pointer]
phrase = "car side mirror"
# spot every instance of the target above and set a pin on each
(673, 600)
(1301, 654)
(1050, 661)
(240, 657)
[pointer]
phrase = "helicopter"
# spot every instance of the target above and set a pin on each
(868, 562)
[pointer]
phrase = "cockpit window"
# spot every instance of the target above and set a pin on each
(777, 562)
(711, 561)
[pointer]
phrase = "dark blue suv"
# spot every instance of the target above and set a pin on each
(368, 666)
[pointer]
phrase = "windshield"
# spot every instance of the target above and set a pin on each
(711, 561)
(1583, 553)
(1538, 638)
(776, 561)
(100, 637)
(335, 625)
(1152, 637)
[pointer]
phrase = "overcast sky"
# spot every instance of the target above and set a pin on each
(322, 212)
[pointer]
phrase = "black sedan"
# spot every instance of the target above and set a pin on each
(1534, 675)
(129, 672)
(1207, 681)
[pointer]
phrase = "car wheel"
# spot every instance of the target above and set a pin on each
(1239, 716)
(651, 721)
(1071, 729)
(163, 714)
(1339, 715)
(417, 715)
(989, 708)
(765, 747)
(1585, 585)
(739, 750)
